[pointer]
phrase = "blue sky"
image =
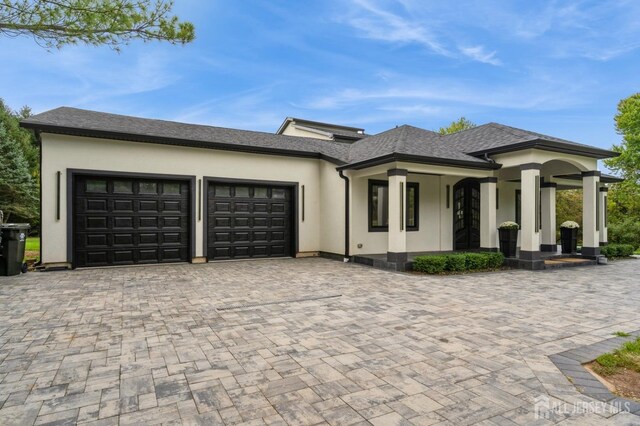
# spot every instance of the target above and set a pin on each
(557, 67)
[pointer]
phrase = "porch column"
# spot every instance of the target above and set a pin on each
(602, 217)
(488, 226)
(548, 200)
(530, 216)
(397, 248)
(590, 194)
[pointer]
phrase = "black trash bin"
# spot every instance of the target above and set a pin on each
(13, 241)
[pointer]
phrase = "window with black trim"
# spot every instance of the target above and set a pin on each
(379, 206)
(518, 206)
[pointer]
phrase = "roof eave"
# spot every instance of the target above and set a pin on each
(105, 134)
(419, 160)
(547, 145)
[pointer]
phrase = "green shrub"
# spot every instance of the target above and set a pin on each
(495, 260)
(476, 261)
(430, 264)
(627, 231)
(617, 250)
(456, 262)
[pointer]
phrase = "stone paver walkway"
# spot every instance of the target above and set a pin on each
(149, 345)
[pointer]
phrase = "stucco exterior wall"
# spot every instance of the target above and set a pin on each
(293, 130)
(61, 152)
(332, 205)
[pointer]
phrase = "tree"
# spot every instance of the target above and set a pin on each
(26, 139)
(624, 197)
(56, 23)
(456, 126)
(18, 191)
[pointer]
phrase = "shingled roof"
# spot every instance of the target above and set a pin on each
(82, 122)
(467, 148)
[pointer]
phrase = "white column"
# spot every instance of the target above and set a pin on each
(488, 225)
(530, 217)
(397, 247)
(602, 217)
(548, 231)
(590, 194)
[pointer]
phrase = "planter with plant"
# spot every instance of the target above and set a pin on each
(508, 235)
(569, 236)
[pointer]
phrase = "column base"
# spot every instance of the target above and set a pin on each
(529, 255)
(549, 248)
(591, 251)
(530, 260)
(531, 265)
(396, 257)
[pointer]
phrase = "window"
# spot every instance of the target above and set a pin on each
(518, 207)
(171, 188)
(412, 206)
(96, 185)
(123, 186)
(379, 206)
(148, 188)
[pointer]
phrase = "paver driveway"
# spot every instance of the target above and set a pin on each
(150, 344)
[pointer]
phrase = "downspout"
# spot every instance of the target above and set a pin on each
(346, 215)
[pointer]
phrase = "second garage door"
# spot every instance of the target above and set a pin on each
(248, 221)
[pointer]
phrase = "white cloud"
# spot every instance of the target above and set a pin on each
(478, 53)
(375, 20)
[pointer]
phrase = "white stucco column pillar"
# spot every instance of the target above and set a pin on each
(548, 232)
(602, 216)
(529, 257)
(397, 247)
(488, 225)
(590, 194)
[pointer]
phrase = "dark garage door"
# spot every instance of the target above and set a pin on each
(123, 221)
(247, 221)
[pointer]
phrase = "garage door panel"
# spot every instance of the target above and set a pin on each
(95, 222)
(148, 238)
(123, 239)
(245, 221)
(123, 257)
(171, 206)
(122, 222)
(148, 206)
(95, 205)
(123, 205)
(127, 221)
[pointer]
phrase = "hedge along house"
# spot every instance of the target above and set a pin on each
(119, 190)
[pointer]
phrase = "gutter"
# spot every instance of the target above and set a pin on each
(420, 160)
(346, 216)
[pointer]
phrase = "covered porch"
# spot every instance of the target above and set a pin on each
(402, 210)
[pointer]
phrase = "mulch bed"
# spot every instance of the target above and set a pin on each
(626, 383)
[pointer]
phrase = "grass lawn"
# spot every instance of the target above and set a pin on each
(33, 244)
(32, 248)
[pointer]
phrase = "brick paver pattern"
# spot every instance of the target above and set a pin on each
(149, 345)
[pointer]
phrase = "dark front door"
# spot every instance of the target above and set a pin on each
(466, 215)
(124, 221)
(248, 221)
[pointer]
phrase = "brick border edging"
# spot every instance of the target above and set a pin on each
(570, 365)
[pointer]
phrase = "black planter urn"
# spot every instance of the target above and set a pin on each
(569, 239)
(508, 240)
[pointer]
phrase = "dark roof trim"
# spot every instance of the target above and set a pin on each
(604, 178)
(554, 146)
(420, 160)
(103, 134)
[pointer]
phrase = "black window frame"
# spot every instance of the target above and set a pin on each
(518, 203)
(410, 185)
